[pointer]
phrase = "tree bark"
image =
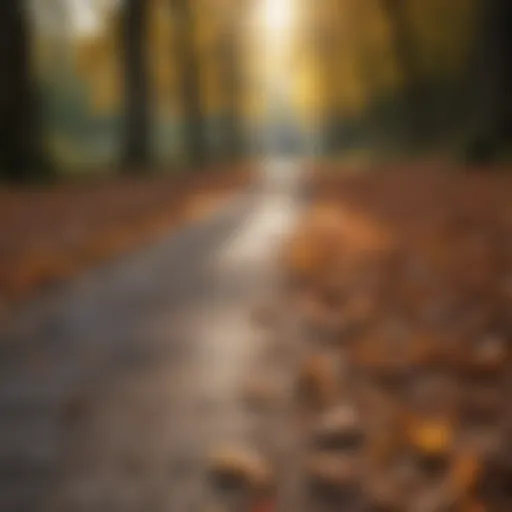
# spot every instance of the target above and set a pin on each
(494, 80)
(20, 142)
(137, 136)
(404, 49)
(186, 54)
(232, 83)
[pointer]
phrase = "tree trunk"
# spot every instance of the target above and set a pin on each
(186, 54)
(137, 137)
(404, 49)
(231, 80)
(494, 74)
(20, 149)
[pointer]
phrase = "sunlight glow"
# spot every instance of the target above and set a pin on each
(277, 15)
(275, 26)
(84, 18)
(275, 23)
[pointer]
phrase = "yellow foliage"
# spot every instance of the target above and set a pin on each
(355, 61)
(444, 31)
(343, 53)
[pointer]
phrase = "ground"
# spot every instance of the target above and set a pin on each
(261, 327)
(403, 284)
(115, 387)
(50, 233)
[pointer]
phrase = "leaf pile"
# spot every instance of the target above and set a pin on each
(405, 280)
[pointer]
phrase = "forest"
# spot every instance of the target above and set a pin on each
(255, 255)
(161, 82)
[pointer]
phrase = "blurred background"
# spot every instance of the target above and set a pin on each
(159, 153)
(287, 222)
(90, 84)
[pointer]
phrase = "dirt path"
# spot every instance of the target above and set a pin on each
(114, 389)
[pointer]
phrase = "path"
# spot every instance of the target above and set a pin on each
(114, 388)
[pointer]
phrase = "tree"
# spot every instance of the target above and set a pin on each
(20, 141)
(494, 79)
(231, 78)
(190, 91)
(406, 55)
(137, 97)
